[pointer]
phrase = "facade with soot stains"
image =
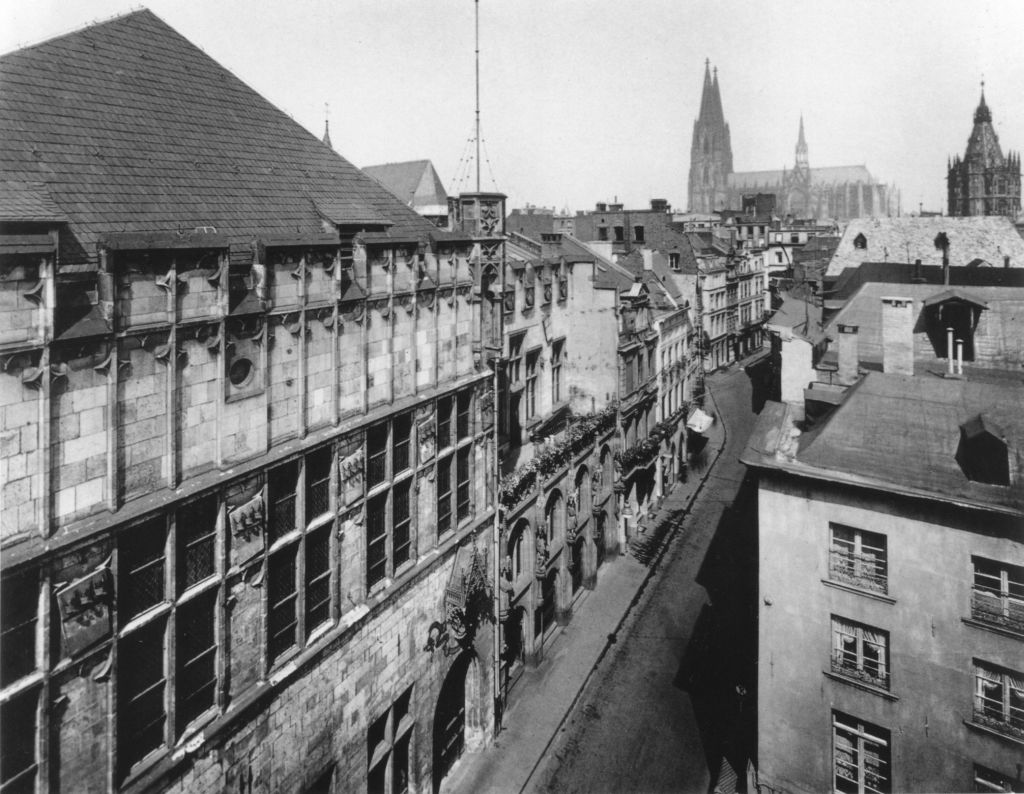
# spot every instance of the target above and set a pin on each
(249, 440)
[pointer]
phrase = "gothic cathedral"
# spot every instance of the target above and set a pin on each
(836, 192)
(984, 182)
(711, 152)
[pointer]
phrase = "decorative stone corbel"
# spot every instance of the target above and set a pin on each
(34, 293)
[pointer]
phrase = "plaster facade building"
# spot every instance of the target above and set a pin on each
(836, 192)
(249, 441)
(557, 398)
(983, 181)
(890, 603)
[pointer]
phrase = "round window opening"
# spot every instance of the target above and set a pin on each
(240, 372)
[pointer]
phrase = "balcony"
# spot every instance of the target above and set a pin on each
(998, 609)
(869, 672)
(866, 571)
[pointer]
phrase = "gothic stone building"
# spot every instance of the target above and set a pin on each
(839, 192)
(248, 446)
(984, 182)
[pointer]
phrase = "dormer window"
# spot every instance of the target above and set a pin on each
(983, 453)
(860, 242)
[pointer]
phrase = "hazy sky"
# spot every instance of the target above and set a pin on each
(589, 100)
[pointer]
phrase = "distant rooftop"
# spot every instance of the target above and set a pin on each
(903, 240)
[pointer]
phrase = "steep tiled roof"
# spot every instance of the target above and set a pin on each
(415, 183)
(134, 129)
(889, 239)
(899, 433)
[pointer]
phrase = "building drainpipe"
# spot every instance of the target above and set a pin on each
(496, 544)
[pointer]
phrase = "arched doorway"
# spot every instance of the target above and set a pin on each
(577, 564)
(544, 614)
(450, 720)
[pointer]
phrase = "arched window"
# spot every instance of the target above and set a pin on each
(554, 518)
(583, 493)
(516, 549)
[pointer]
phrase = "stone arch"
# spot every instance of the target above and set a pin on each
(583, 495)
(458, 715)
(554, 517)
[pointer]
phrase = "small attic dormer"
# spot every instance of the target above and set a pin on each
(983, 454)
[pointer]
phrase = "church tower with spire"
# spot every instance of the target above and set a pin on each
(711, 150)
(984, 182)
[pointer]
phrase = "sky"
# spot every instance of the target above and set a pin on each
(594, 100)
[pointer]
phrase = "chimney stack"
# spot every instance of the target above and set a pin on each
(847, 354)
(1006, 260)
(898, 336)
(648, 256)
(949, 351)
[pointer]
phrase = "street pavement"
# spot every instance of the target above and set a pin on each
(627, 700)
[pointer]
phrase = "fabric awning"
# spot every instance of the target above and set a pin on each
(699, 422)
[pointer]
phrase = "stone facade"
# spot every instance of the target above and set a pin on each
(247, 513)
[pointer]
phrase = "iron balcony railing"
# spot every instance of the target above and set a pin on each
(998, 609)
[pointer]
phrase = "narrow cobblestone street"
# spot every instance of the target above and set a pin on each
(660, 711)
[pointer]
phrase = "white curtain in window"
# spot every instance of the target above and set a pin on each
(874, 637)
(1016, 683)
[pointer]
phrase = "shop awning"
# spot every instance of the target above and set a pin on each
(699, 422)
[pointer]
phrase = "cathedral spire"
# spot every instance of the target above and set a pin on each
(706, 100)
(801, 147)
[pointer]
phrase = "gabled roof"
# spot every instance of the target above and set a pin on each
(415, 183)
(132, 128)
(955, 294)
(899, 433)
(908, 239)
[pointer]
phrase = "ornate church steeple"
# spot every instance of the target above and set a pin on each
(984, 182)
(710, 151)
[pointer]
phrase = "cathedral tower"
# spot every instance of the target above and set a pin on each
(984, 182)
(711, 151)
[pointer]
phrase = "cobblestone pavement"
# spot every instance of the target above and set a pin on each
(661, 709)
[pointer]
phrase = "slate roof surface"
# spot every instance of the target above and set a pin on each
(803, 317)
(133, 128)
(415, 183)
(900, 433)
(998, 338)
(852, 278)
(888, 239)
(28, 202)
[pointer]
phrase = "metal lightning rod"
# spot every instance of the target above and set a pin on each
(476, 6)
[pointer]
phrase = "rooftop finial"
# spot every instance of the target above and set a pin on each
(327, 124)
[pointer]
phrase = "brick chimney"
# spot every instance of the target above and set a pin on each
(898, 335)
(847, 354)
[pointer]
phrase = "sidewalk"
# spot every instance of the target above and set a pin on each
(544, 696)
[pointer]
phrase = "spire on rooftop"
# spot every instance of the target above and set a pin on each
(982, 113)
(327, 126)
